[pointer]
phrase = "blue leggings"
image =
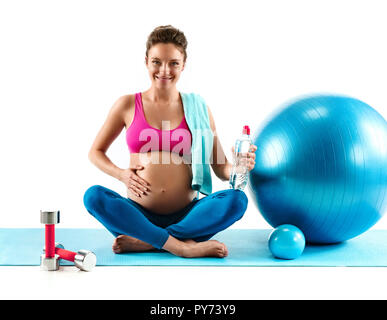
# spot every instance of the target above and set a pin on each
(200, 220)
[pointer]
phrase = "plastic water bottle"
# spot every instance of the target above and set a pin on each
(239, 173)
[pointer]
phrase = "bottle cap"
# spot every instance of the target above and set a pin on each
(246, 130)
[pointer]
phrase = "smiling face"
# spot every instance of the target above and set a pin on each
(165, 62)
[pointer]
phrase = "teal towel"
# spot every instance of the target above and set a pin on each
(196, 115)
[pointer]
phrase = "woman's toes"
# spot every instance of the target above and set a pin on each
(225, 250)
(118, 243)
(116, 249)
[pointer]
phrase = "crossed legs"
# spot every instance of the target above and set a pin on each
(187, 238)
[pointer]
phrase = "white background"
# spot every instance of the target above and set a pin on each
(64, 63)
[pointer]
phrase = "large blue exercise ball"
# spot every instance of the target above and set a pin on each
(321, 165)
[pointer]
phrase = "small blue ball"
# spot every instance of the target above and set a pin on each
(286, 242)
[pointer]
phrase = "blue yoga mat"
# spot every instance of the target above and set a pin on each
(247, 247)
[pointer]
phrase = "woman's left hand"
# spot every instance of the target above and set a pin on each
(251, 157)
(248, 158)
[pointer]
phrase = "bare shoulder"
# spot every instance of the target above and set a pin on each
(113, 124)
(124, 103)
(124, 106)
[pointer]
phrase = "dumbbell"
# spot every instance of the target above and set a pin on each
(83, 259)
(49, 261)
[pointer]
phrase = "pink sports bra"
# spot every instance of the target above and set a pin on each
(141, 137)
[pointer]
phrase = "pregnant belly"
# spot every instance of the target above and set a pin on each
(169, 179)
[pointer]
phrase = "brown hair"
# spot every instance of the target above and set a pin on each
(167, 34)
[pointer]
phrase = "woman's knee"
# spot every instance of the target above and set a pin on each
(237, 202)
(92, 196)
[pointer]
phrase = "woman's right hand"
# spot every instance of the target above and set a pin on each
(133, 182)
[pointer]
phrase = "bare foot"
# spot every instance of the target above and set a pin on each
(194, 242)
(189, 241)
(125, 243)
(209, 248)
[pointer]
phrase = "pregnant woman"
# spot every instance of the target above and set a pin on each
(172, 141)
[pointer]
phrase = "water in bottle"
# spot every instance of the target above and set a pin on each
(239, 173)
